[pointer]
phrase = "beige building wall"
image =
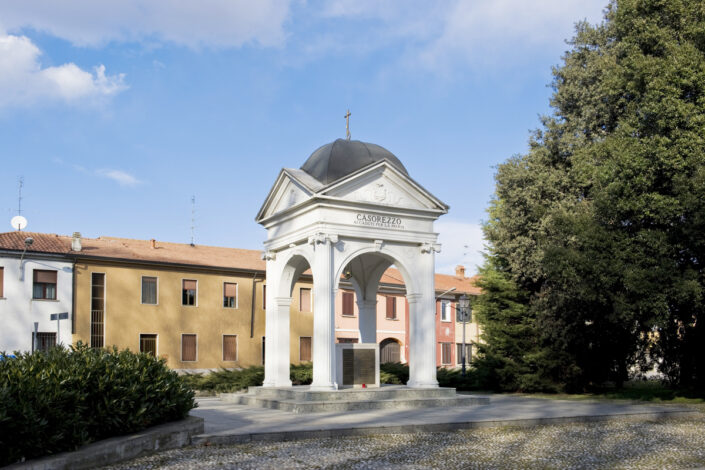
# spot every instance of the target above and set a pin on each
(126, 317)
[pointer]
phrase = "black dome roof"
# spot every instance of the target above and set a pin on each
(342, 157)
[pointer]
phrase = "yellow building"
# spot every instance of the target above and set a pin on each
(202, 308)
(192, 305)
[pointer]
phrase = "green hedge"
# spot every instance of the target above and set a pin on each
(232, 380)
(59, 400)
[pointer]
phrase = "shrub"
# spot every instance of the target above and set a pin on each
(301, 374)
(61, 399)
(393, 373)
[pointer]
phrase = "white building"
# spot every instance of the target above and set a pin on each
(35, 283)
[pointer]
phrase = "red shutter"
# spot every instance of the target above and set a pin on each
(391, 307)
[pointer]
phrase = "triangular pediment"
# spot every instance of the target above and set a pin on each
(382, 184)
(288, 191)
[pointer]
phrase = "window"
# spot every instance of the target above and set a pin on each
(149, 290)
(189, 292)
(263, 349)
(148, 344)
(189, 348)
(264, 300)
(445, 353)
(97, 310)
(348, 303)
(45, 341)
(304, 299)
(230, 347)
(305, 348)
(445, 310)
(468, 353)
(230, 295)
(391, 307)
(44, 285)
(2, 279)
(348, 340)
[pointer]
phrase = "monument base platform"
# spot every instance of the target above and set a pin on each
(300, 399)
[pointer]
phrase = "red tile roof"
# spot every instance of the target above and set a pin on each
(180, 253)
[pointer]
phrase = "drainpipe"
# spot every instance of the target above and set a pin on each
(252, 306)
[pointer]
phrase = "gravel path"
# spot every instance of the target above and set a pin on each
(674, 443)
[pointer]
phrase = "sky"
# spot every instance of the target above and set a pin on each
(116, 113)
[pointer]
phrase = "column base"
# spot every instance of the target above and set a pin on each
(286, 383)
(416, 384)
(323, 388)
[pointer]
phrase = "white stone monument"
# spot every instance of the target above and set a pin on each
(351, 209)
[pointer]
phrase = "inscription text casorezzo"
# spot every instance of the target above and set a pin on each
(378, 220)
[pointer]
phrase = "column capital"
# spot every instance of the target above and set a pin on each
(269, 255)
(366, 303)
(430, 247)
(321, 238)
(413, 298)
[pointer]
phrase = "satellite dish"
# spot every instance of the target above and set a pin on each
(18, 222)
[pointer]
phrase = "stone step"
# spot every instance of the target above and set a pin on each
(387, 392)
(295, 406)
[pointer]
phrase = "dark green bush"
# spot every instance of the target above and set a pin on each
(393, 373)
(301, 374)
(59, 400)
(225, 380)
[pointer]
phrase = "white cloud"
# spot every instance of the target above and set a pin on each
(461, 243)
(23, 81)
(220, 23)
(121, 177)
(489, 31)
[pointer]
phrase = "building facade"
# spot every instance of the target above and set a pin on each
(36, 282)
(198, 307)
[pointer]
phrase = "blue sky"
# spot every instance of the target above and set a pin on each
(117, 112)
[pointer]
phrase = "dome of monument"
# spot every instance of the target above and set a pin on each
(342, 157)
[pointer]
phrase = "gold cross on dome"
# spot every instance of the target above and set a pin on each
(347, 125)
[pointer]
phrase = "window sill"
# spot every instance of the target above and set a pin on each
(446, 321)
(347, 316)
(45, 300)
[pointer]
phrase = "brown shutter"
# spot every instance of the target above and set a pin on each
(188, 347)
(391, 307)
(305, 348)
(2, 280)
(348, 303)
(230, 289)
(305, 300)
(445, 353)
(264, 305)
(189, 284)
(48, 277)
(229, 347)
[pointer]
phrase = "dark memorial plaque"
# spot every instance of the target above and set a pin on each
(359, 366)
(364, 366)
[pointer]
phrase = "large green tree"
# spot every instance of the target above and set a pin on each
(599, 230)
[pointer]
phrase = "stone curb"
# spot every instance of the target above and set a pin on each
(115, 449)
(229, 437)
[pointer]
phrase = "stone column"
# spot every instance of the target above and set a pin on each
(422, 324)
(276, 363)
(323, 312)
(367, 320)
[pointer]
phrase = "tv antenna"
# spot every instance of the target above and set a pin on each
(193, 220)
(18, 222)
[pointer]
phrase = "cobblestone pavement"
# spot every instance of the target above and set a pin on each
(675, 443)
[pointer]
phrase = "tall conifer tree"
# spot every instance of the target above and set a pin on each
(599, 230)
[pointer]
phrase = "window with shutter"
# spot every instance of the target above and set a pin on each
(445, 353)
(230, 347)
(44, 287)
(188, 348)
(189, 289)
(391, 307)
(2, 282)
(148, 344)
(305, 299)
(229, 295)
(348, 303)
(305, 348)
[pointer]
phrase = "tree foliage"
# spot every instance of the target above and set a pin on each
(597, 234)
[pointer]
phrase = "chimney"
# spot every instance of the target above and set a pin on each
(154, 243)
(460, 271)
(76, 241)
